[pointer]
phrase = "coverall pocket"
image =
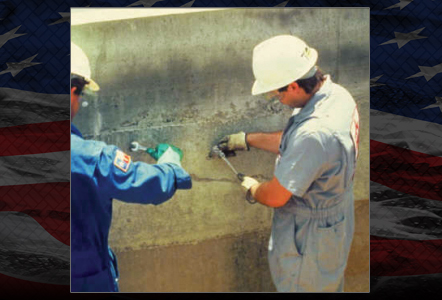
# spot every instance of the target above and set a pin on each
(283, 238)
(331, 256)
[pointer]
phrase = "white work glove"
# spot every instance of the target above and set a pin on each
(166, 153)
(170, 156)
(247, 183)
(232, 142)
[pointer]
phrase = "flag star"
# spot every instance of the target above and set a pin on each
(403, 38)
(283, 4)
(9, 36)
(145, 3)
(15, 68)
(428, 72)
(374, 80)
(437, 104)
(188, 4)
(401, 4)
(65, 17)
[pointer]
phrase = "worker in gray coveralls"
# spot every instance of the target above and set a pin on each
(312, 187)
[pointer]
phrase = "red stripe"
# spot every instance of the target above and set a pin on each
(407, 171)
(17, 288)
(14, 287)
(404, 257)
(35, 138)
(47, 203)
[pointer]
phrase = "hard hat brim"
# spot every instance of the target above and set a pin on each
(259, 88)
(92, 85)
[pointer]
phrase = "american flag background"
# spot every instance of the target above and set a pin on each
(405, 146)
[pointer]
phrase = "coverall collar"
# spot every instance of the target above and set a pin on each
(74, 130)
(323, 93)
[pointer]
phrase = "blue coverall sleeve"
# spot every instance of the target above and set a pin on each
(139, 182)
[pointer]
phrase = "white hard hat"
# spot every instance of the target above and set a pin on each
(281, 60)
(80, 66)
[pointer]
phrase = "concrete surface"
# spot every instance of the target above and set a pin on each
(229, 263)
(186, 79)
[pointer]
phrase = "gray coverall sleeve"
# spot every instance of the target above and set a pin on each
(301, 163)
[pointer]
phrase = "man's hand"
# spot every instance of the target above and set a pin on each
(165, 153)
(233, 142)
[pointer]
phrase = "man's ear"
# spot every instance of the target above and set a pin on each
(73, 89)
(294, 85)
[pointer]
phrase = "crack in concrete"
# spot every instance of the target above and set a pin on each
(259, 177)
(205, 179)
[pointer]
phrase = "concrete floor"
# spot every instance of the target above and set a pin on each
(209, 266)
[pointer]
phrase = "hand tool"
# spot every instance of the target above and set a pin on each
(219, 153)
(240, 176)
(135, 146)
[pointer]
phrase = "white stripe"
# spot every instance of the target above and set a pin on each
(19, 107)
(20, 232)
(27, 245)
(396, 215)
(35, 168)
(409, 133)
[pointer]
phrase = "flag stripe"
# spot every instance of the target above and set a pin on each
(20, 107)
(407, 171)
(404, 257)
(29, 237)
(30, 253)
(403, 132)
(402, 287)
(35, 138)
(13, 286)
(35, 168)
(47, 203)
(396, 215)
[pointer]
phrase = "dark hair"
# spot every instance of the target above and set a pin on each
(79, 82)
(308, 84)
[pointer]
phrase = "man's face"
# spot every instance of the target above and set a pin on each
(293, 96)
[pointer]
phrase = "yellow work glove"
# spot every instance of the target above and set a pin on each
(232, 142)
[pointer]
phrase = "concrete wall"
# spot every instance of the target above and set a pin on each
(186, 79)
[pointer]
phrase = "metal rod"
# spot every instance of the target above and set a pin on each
(221, 154)
(229, 164)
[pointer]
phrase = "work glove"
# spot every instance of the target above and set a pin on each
(233, 142)
(165, 153)
(247, 183)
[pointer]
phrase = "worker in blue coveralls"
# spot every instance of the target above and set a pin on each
(312, 187)
(99, 173)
